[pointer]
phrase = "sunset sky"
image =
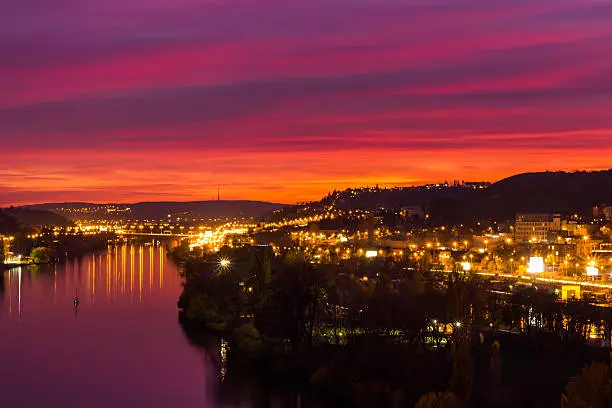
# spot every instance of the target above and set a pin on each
(285, 100)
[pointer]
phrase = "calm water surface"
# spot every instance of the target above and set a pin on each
(122, 346)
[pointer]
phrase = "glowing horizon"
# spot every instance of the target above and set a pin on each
(211, 193)
(127, 101)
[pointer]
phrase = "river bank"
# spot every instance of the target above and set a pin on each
(534, 372)
(6, 267)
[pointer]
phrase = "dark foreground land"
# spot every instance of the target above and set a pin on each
(534, 373)
(344, 340)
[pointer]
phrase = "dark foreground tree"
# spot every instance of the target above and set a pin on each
(291, 305)
(463, 370)
(591, 389)
(439, 400)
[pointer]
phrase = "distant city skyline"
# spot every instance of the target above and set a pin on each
(125, 101)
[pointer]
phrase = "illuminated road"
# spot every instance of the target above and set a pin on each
(550, 280)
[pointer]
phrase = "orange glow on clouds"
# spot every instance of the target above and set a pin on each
(285, 101)
(184, 175)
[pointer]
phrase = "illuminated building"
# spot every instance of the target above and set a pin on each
(475, 185)
(535, 227)
(6, 244)
(607, 212)
(560, 250)
(586, 246)
(605, 248)
(412, 211)
(603, 211)
(570, 292)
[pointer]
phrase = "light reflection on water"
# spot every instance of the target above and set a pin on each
(94, 278)
(121, 347)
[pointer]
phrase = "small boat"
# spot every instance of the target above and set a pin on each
(76, 299)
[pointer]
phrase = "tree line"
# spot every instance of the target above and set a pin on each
(377, 334)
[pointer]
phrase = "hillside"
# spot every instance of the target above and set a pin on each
(204, 209)
(36, 217)
(8, 223)
(15, 218)
(160, 210)
(547, 192)
(421, 196)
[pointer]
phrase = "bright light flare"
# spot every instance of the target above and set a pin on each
(592, 269)
(223, 264)
(371, 254)
(535, 265)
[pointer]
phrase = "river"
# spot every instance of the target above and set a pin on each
(121, 347)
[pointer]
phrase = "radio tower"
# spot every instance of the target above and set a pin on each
(218, 193)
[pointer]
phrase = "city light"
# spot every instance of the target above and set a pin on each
(223, 264)
(371, 254)
(379, 203)
(592, 269)
(535, 265)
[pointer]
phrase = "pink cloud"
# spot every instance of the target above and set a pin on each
(288, 100)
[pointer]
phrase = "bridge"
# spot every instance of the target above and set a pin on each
(156, 234)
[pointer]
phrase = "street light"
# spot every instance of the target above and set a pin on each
(223, 264)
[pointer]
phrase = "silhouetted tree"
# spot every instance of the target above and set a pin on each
(41, 254)
(591, 389)
(292, 305)
(495, 372)
(439, 400)
(463, 369)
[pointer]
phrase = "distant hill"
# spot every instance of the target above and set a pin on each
(8, 223)
(14, 218)
(161, 210)
(547, 192)
(368, 198)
